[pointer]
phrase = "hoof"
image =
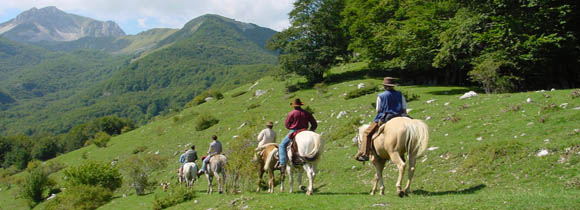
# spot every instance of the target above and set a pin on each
(303, 188)
(372, 193)
(308, 193)
(221, 192)
(401, 194)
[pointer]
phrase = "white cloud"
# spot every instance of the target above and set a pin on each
(167, 13)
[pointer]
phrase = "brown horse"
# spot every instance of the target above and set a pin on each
(268, 158)
(398, 136)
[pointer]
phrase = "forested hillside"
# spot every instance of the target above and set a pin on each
(502, 46)
(219, 54)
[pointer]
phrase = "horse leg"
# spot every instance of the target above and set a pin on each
(220, 179)
(260, 174)
(379, 166)
(209, 179)
(290, 180)
(271, 181)
(224, 176)
(310, 174)
(396, 158)
(411, 172)
(299, 178)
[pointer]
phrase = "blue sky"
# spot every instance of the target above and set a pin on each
(135, 16)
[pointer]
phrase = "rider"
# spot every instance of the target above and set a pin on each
(215, 147)
(188, 156)
(265, 136)
(297, 119)
(390, 104)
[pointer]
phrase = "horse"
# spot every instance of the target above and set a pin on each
(398, 136)
(310, 147)
(216, 168)
(268, 157)
(189, 175)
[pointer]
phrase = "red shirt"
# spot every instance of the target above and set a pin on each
(299, 119)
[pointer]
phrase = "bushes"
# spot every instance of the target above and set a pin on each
(138, 169)
(236, 94)
(35, 184)
(83, 197)
(101, 139)
(94, 174)
(361, 92)
(205, 121)
(200, 99)
(176, 195)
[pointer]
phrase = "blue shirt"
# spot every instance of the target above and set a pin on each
(391, 102)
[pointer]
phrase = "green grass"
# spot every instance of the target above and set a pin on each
(499, 171)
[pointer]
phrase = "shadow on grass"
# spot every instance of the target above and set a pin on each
(470, 190)
(454, 91)
(339, 78)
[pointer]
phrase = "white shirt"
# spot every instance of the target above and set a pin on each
(379, 102)
(266, 136)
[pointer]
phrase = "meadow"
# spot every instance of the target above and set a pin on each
(492, 151)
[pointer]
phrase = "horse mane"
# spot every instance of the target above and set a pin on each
(269, 159)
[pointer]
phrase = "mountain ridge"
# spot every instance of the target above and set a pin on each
(52, 24)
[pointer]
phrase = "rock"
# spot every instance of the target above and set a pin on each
(468, 95)
(432, 148)
(576, 108)
(341, 114)
(254, 85)
(446, 104)
(479, 138)
(428, 118)
(260, 92)
(208, 99)
(409, 110)
(51, 196)
(446, 134)
(235, 137)
(361, 85)
(553, 89)
(564, 105)
(529, 100)
(242, 125)
(430, 101)
(175, 153)
(156, 152)
(353, 167)
(380, 204)
(543, 152)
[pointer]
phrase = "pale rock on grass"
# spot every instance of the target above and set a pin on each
(564, 105)
(361, 85)
(260, 92)
(430, 101)
(468, 95)
(341, 114)
(479, 138)
(428, 118)
(254, 85)
(432, 148)
(543, 152)
(529, 100)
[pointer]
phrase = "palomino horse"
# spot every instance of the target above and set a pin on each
(310, 147)
(266, 164)
(216, 168)
(398, 136)
(189, 175)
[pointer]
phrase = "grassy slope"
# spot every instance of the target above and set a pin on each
(500, 171)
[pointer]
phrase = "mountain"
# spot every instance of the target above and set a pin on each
(130, 44)
(52, 24)
(211, 52)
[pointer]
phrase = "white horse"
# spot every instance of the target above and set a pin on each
(189, 175)
(398, 136)
(310, 147)
(216, 168)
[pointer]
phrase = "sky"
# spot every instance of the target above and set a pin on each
(134, 16)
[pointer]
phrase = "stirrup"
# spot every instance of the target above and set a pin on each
(362, 158)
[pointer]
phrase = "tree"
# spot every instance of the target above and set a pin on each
(315, 41)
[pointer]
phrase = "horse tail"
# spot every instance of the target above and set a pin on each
(315, 151)
(418, 137)
(269, 159)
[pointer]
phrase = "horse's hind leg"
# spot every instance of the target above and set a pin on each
(209, 179)
(310, 173)
(396, 158)
(411, 172)
(271, 181)
(290, 180)
(299, 178)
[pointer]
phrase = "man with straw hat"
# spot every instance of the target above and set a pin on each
(297, 119)
(390, 104)
(266, 136)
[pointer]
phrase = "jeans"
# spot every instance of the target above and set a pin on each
(282, 148)
(204, 162)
